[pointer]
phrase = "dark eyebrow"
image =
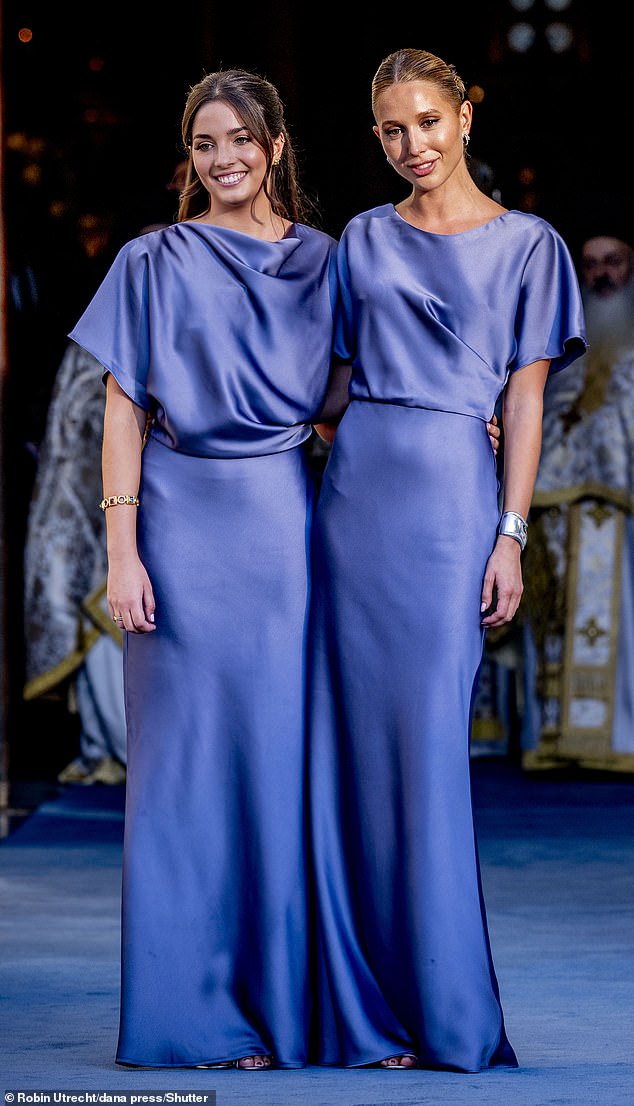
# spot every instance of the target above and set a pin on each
(234, 130)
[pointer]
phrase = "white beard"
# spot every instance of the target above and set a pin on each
(609, 319)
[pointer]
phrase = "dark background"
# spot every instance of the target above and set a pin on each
(92, 115)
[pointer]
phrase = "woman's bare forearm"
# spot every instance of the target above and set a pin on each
(522, 421)
(124, 425)
(130, 594)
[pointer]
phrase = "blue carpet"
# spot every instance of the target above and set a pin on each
(558, 871)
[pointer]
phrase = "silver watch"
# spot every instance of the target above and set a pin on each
(513, 525)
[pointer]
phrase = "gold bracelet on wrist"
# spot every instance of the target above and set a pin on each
(119, 500)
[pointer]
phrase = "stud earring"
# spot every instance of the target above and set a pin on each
(276, 160)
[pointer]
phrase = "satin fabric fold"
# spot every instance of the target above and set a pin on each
(225, 338)
(215, 918)
(419, 326)
(403, 947)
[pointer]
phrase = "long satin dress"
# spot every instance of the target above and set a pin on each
(226, 340)
(405, 522)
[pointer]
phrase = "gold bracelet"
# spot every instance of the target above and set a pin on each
(116, 500)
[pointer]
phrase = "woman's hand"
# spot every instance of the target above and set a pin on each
(504, 574)
(326, 431)
(130, 595)
(494, 433)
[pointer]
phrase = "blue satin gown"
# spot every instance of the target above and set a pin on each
(405, 522)
(226, 340)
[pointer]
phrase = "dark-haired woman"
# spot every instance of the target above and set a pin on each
(216, 332)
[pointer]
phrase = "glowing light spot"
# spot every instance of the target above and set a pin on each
(32, 175)
(521, 37)
(559, 37)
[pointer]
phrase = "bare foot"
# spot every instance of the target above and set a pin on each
(248, 1063)
(404, 1060)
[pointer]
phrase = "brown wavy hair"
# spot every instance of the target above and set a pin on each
(259, 105)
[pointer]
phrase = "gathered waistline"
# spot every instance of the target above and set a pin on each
(373, 401)
(224, 456)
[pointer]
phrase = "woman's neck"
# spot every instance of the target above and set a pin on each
(263, 224)
(449, 210)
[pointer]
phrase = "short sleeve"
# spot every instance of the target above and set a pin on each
(114, 328)
(550, 319)
(344, 344)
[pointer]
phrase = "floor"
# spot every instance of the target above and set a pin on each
(557, 858)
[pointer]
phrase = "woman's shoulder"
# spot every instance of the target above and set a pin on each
(146, 243)
(532, 225)
(364, 222)
(382, 211)
(314, 234)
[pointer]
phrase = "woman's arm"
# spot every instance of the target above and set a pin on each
(522, 413)
(336, 401)
(129, 589)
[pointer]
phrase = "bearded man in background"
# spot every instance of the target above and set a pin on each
(579, 561)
